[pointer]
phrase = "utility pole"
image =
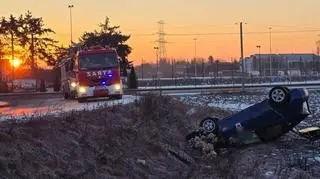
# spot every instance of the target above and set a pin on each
(241, 58)
(195, 57)
(270, 60)
(171, 68)
(195, 61)
(233, 69)
(203, 68)
(217, 68)
(70, 7)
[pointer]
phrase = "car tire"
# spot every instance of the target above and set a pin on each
(279, 95)
(209, 125)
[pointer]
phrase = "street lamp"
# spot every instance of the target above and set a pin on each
(195, 57)
(70, 7)
(157, 60)
(270, 28)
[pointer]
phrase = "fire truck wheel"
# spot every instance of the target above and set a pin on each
(66, 95)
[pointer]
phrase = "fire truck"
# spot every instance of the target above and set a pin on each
(91, 73)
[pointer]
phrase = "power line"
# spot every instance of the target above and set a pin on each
(248, 33)
(230, 33)
(197, 25)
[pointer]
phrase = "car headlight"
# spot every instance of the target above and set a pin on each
(82, 90)
(117, 87)
(73, 84)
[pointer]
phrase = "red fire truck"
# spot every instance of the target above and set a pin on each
(91, 73)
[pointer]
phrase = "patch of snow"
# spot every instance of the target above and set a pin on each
(191, 111)
(317, 158)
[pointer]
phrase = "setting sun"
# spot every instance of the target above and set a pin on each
(15, 63)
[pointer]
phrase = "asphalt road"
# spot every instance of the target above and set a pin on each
(20, 106)
(28, 104)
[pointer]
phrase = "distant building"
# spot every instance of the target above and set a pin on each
(282, 64)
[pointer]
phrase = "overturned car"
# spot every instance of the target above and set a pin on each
(264, 121)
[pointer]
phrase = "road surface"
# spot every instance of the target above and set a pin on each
(54, 103)
(26, 105)
(21, 106)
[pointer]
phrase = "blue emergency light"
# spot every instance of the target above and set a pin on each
(109, 74)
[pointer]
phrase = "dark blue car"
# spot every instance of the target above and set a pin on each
(266, 120)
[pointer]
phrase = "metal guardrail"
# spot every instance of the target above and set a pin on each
(29, 93)
(180, 88)
(164, 88)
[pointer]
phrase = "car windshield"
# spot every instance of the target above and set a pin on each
(97, 61)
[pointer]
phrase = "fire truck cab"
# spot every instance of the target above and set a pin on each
(92, 73)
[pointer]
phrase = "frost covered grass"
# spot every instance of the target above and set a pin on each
(143, 139)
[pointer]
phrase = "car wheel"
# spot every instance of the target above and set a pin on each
(279, 95)
(209, 125)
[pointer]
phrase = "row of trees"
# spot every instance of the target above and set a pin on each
(111, 36)
(183, 67)
(26, 37)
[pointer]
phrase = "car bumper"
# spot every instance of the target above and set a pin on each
(98, 91)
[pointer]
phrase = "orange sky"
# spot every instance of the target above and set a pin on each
(140, 17)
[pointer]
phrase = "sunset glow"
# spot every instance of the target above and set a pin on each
(15, 63)
(295, 28)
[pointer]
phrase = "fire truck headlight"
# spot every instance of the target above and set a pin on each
(73, 84)
(117, 87)
(82, 90)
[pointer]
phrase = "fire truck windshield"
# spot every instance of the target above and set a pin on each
(97, 61)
